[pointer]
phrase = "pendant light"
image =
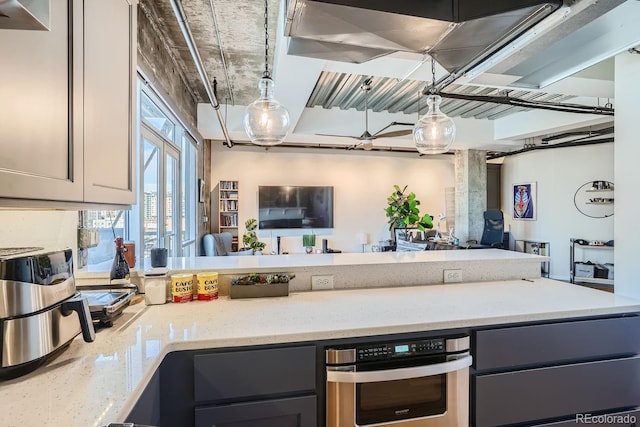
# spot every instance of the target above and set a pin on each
(266, 121)
(435, 131)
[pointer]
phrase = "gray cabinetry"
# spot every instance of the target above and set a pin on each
(557, 391)
(547, 373)
(67, 123)
(266, 386)
(110, 51)
(290, 412)
(41, 104)
(257, 388)
(246, 374)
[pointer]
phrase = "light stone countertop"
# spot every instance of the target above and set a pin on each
(94, 384)
(232, 264)
(352, 270)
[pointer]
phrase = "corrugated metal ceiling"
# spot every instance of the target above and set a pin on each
(341, 90)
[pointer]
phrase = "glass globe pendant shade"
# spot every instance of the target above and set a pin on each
(435, 131)
(266, 121)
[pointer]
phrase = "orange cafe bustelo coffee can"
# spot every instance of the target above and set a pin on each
(207, 286)
(181, 287)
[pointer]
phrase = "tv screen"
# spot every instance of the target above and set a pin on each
(295, 207)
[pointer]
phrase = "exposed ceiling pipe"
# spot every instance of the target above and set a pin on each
(222, 58)
(547, 147)
(542, 105)
(316, 146)
(584, 133)
(188, 37)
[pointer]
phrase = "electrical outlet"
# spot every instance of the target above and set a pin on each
(452, 276)
(321, 282)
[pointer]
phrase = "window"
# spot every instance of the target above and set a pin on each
(165, 214)
(153, 116)
(188, 196)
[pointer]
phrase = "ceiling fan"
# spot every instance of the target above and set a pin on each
(366, 139)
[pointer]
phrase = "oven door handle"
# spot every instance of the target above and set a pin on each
(399, 374)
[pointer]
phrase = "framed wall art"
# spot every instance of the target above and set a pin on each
(524, 201)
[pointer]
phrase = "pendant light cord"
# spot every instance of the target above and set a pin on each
(266, 73)
(432, 89)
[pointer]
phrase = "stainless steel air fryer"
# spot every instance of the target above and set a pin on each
(40, 310)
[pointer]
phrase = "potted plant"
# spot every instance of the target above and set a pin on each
(403, 211)
(257, 285)
(250, 238)
(308, 241)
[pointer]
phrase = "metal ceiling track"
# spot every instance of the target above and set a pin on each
(542, 105)
(178, 10)
(575, 143)
(330, 147)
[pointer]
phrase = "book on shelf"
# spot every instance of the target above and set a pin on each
(228, 194)
(228, 205)
(229, 185)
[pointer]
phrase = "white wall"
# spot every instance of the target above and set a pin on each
(627, 233)
(559, 173)
(362, 182)
(48, 229)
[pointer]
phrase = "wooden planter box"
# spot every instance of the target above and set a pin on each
(259, 290)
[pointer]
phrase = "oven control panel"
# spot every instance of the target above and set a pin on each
(400, 349)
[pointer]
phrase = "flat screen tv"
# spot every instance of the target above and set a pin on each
(294, 207)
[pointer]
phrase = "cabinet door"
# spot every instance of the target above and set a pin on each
(293, 412)
(247, 374)
(41, 109)
(109, 101)
(556, 392)
(556, 343)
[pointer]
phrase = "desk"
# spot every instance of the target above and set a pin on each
(447, 246)
(442, 245)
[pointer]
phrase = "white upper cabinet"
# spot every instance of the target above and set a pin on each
(41, 109)
(109, 101)
(67, 121)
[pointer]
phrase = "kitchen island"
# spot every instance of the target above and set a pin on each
(355, 270)
(94, 384)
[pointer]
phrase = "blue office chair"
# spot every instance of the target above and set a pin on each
(492, 234)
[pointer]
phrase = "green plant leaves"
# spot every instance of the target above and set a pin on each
(250, 238)
(402, 210)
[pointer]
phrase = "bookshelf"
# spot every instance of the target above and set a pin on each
(225, 202)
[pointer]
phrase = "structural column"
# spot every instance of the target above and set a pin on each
(471, 193)
(626, 154)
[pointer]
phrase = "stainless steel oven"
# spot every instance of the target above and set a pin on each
(409, 383)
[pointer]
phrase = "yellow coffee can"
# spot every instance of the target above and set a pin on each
(181, 287)
(207, 286)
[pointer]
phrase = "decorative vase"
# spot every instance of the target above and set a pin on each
(308, 249)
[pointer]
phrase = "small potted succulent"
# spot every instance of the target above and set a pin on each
(256, 285)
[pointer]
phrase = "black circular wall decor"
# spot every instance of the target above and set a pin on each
(595, 199)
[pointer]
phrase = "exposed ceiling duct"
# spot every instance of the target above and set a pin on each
(456, 33)
(583, 39)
